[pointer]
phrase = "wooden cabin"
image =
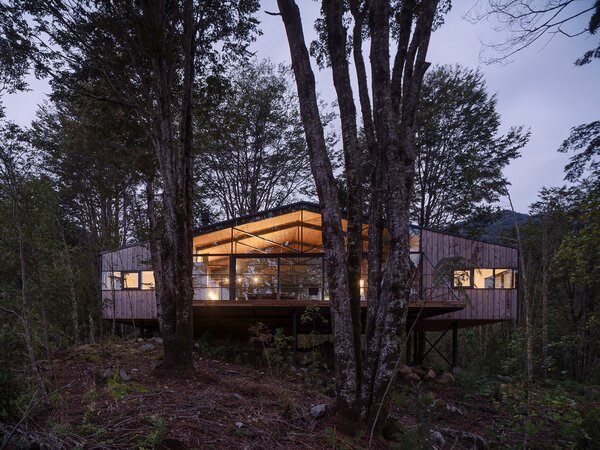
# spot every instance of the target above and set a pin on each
(268, 267)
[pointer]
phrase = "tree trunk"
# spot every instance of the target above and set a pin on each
(333, 237)
(336, 39)
(395, 100)
(175, 165)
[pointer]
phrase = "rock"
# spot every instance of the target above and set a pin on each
(444, 378)
(430, 375)
(404, 370)
(148, 347)
(108, 372)
(412, 378)
(239, 425)
(418, 371)
(124, 375)
(158, 340)
(504, 379)
(196, 346)
(453, 409)
(437, 438)
(318, 411)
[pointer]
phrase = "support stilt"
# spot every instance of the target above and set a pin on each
(294, 331)
(454, 344)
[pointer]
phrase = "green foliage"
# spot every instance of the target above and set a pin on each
(158, 434)
(116, 388)
(276, 347)
(279, 352)
(288, 406)
(460, 153)
(252, 151)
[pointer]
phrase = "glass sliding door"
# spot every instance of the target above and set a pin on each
(301, 278)
(256, 278)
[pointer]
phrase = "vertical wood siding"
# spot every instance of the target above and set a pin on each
(482, 304)
(128, 304)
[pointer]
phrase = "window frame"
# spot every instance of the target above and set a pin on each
(122, 280)
(493, 269)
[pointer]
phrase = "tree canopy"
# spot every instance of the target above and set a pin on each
(461, 154)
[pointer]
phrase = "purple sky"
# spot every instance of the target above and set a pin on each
(541, 89)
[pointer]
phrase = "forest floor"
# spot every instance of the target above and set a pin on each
(116, 396)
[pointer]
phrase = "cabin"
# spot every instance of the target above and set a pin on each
(268, 267)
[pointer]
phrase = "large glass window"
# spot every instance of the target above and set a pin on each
(301, 278)
(256, 278)
(480, 278)
(211, 277)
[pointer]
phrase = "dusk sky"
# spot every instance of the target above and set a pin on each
(541, 89)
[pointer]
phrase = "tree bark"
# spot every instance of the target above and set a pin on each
(175, 165)
(391, 141)
(336, 40)
(333, 237)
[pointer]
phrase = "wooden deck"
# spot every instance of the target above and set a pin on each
(234, 317)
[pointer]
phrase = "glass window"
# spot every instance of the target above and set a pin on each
(256, 278)
(462, 278)
(301, 278)
(131, 280)
(148, 280)
(504, 279)
(112, 281)
(211, 277)
(483, 278)
(415, 239)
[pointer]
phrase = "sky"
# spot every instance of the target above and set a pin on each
(540, 89)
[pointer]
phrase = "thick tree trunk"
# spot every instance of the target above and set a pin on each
(345, 358)
(394, 103)
(391, 141)
(336, 40)
(175, 165)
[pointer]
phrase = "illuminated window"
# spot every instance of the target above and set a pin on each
(131, 280)
(112, 281)
(462, 278)
(485, 278)
(148, 280)
(504, 279)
